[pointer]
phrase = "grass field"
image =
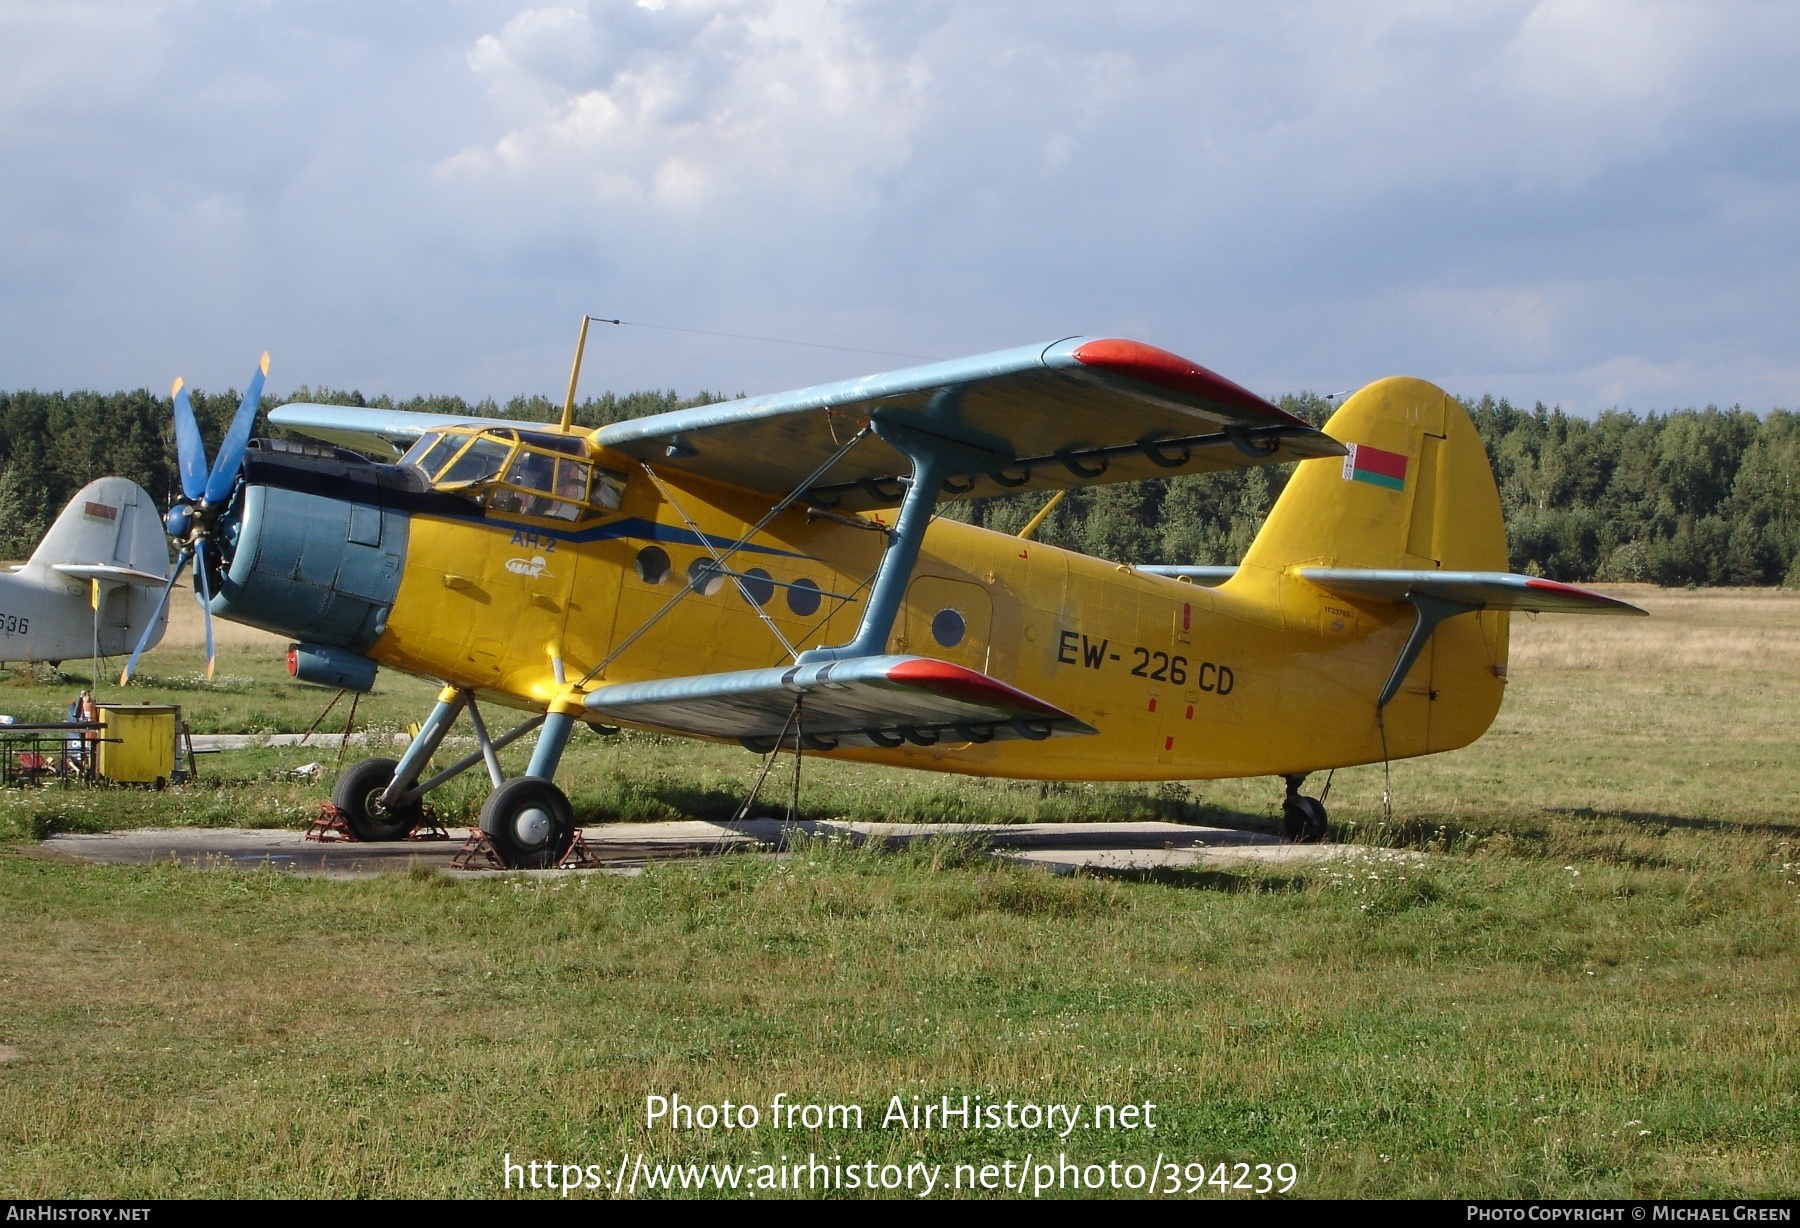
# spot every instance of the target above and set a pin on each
(1586, 987)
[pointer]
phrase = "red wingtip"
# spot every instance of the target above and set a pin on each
(959, 683)
(1149, 365)
(1567, 590)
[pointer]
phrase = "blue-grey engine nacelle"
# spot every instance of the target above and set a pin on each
(313, 550)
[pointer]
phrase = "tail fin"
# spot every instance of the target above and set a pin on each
(1416, 490)
(111, 521)
(1415, 493)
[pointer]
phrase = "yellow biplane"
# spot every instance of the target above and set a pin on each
(772, 571)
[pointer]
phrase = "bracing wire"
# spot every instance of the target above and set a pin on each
(752, 531)
(743, 811)
(1387, 777)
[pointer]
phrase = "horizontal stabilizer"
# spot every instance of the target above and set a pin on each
(866, 701)
(111, 575)
(1486, 590)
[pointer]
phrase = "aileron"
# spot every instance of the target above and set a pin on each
(866, 701)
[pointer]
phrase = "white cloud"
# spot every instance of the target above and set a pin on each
(700, 102)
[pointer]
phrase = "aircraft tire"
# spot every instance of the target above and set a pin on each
(529, 822)
(1304, 820)
(355, 795)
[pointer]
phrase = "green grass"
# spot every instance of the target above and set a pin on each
(1586, 987)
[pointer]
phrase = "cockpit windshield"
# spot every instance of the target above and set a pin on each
(525, 473)
(431, 451)
(478, 462)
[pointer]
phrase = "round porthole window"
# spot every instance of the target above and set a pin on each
(947, 628)
(704, 577)
(759, 584)
(803, 598)
(653, 564)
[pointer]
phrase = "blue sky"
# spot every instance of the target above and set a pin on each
(1588, 202)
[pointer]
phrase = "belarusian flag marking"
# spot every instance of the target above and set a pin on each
(1372, 465)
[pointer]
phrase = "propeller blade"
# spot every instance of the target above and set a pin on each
(189, 450)
(149, 627)
(237, 438)
(205, 603)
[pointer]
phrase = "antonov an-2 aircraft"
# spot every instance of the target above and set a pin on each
(734, 572)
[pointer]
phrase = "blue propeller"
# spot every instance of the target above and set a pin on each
(206, 494)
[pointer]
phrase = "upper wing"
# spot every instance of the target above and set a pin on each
(1076, 412)
(374, 430)
(1492, 590)
(1071, 413)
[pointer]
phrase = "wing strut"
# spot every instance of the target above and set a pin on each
(1431, 611)
(933, 458)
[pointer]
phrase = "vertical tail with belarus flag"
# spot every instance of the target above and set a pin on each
(1414, 493)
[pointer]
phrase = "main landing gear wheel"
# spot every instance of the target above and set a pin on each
(1303, 819)
(530, 823)
(357, 796)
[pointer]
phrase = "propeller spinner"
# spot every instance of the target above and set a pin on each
(194, 522)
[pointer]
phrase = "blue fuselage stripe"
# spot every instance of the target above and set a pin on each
(631, 528)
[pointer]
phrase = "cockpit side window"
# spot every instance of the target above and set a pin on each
(531, 481)
(523, 473)
(480, 462)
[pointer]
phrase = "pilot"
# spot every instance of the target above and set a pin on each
(571, 484)
(533, 470)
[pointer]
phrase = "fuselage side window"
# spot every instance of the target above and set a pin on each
(609, 489)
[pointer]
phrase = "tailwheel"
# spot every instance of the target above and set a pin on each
(1303, 819)
(530, 823)
(357, 795)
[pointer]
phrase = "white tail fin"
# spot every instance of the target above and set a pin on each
(109, 521)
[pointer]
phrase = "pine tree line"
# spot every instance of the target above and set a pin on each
(1698, 497)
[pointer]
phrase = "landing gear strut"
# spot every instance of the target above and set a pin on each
(527, 820)
(1303, 819)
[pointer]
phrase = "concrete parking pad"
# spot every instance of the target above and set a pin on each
(1060, 847)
